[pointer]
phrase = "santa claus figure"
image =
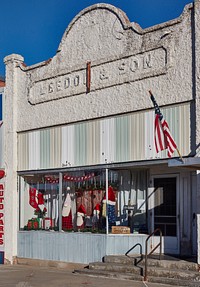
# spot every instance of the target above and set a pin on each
(67, 213)
(110, 208)
(80, 217)
(96, 214)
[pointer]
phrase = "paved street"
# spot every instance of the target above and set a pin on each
(31, 276)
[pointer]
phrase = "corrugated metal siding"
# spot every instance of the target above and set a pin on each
(117, 139)
(45, 148)
(34, 150)
(75, 247)
(23, 151)
(55, 146)
(67, 134)
(137, 138)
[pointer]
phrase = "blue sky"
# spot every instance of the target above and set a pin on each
(34, 28)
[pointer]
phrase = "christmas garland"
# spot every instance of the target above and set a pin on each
(50, 179)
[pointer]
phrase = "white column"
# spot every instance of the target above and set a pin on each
(198, 238)
(196, 92)
(107, 223)
(10, 151)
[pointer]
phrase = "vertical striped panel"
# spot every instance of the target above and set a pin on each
(183, 130)
(45, 148)
(116, 139)
(103, 137)
(34, 150)
(137, 139)
(150, 151)
(23, 152)
(67, 141)
(122, 138)
(80, 144)
(108, 141)
(93, 142)
(55, 146)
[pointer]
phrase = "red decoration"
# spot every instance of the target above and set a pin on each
(66, 177)
(40, 198)
(67, 221)
(32, 197)
(79, 178)
(35, 225)
(2, 173)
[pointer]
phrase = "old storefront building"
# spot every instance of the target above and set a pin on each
(80, 157)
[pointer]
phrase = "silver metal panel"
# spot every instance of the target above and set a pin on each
(112, 140)
(75, 247)
(34, 150)
(45, 148)
(23, 151)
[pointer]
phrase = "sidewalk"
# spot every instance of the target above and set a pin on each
(32, 276)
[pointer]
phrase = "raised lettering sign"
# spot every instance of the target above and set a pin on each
(129, 68)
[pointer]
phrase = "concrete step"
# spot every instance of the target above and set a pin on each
(174, 274)
(154, 271)
(170, 270)
(121, 268)
(167, 262)
(135, 277)
(109, 274)
(122, 259)
(173, 282)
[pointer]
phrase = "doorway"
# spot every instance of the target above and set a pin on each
(165, 212)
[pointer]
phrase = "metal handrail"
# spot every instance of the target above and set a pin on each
(141, 254)
(146, 251)
(137, 244)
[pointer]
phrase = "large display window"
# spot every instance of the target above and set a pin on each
(101, 201)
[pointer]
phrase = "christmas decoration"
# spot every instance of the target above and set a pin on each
(41, 205)
(34, 224)
(111, 206)
(66, 206)
(2, 173)
(32, 197)
(51, 179)
(67, 214)
(95, 218)
(80, 214)
(47, 223)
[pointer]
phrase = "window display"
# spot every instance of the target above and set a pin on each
(83, 201)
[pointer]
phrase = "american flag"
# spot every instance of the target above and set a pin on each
(162, 137)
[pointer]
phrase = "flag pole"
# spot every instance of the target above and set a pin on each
(179, 154)
(151, 94)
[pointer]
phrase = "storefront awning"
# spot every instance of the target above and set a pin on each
(123, 165)
(190, 162)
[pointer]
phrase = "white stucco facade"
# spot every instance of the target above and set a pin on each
(126, 62)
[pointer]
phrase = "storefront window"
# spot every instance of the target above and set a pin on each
(39, 202)
(84, 201)
(92, 201)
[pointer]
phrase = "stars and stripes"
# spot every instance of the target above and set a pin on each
(162, 137)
